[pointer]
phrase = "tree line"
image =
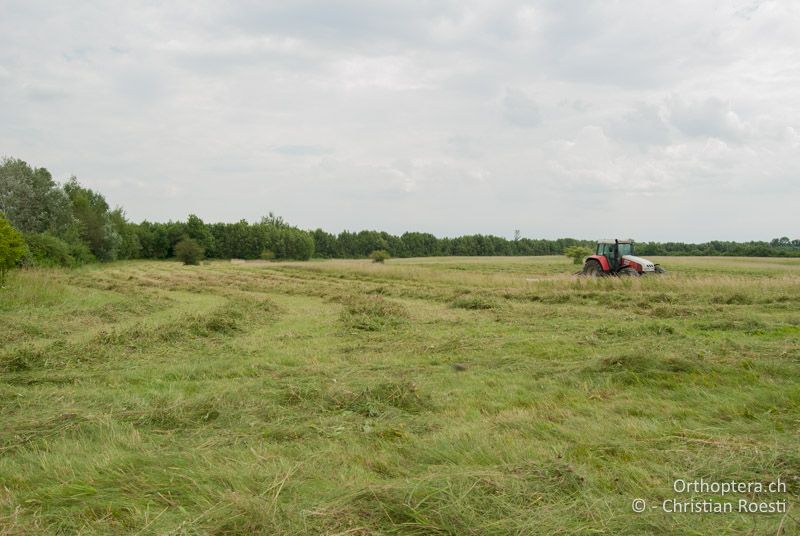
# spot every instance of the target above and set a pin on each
(69, 224)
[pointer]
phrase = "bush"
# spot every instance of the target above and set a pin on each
(189, 251)
(12, 248)
(267, 255)
(47, 250)
(81, 253)
(577, 253)
(379, 255)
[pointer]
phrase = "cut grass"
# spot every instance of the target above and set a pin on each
(322, 397)
(371, 313)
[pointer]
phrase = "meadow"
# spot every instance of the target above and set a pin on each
(421, 396)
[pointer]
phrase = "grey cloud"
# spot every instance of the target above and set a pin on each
(463, 147)
(645, 124)
(708, 117)
(45, 93)
(449, 117)
(302, 150)
(577, 105)
(354, 22)
(520, 110)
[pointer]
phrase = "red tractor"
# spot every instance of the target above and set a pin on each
(616, 257)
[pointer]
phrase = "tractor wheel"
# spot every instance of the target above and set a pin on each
(629, 272)
(592, 268)
(660, 270)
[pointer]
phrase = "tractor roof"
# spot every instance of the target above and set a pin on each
(612, 241)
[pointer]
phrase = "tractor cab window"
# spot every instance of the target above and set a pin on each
(605, 249)
(626, 249)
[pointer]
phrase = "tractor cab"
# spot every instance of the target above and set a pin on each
(613, 251)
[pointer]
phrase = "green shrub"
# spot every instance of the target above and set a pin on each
(12, 248)
(189, 251)
(379, 255)
(47, 250)
(81, 253)
(267, 255)
(577, 253)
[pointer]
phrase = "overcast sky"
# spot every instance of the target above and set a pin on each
(656, 120)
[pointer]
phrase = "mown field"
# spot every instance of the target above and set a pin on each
(424, 396)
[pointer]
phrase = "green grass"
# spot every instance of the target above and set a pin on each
(423, 396)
